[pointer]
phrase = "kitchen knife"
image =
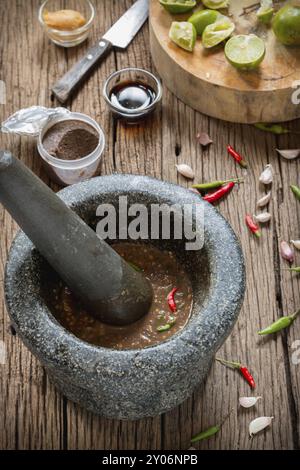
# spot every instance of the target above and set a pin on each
(119, 36)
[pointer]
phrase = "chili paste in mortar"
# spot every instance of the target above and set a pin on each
(164, 272)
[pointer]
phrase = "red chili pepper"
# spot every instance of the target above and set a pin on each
(252, 226)
(216, 195)
(236, 156)
(171, 299)
(244, 370)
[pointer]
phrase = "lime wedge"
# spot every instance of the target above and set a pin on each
(217, 32)
(178, 6)
(215, 4)
(245, 52)
(183, 34)
(203, 18)
(265, 12)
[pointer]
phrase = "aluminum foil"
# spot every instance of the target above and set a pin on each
(31, 121)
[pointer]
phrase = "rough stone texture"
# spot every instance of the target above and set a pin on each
(136, 383)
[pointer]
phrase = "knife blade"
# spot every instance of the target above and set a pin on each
(119, 36)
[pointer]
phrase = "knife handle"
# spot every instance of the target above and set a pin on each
(78, 73)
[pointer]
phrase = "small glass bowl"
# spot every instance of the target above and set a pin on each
(76, 36)
(132, 75)
(67, 172)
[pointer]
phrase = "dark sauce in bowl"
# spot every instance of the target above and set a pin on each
(132, 96)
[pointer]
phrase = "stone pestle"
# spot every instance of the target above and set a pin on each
(110, 288)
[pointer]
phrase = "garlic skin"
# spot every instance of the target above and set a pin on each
(263, 218)
(194, 190)
(267, 175)
(296, 244)
(259, 424)
(186, 171)
(204, 139)
(287, 252)
(264, 201)
(248, 402)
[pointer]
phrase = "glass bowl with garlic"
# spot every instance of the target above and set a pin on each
(67, 22)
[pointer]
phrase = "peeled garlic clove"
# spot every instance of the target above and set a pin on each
(248, 402)
(259, 424)
(186, 171)
(264, 201)
(267, 175)
(287, 252)
(289, 154)
(263, 218)
(296, 244)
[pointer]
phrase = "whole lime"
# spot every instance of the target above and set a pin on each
(286, 25)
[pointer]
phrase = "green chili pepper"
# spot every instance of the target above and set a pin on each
(210, 431)
(164, 328)
(216, 184)
(281, 324)
(273, 128)
(296, 191)
(206, 434)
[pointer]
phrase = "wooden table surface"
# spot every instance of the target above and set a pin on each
(32, 414)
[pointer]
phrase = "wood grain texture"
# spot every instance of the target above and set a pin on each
(205, 80)
(35, 416)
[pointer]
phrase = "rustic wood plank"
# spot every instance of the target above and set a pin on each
(126, 152)
(265, 359)
(31, 408)
(288, 223)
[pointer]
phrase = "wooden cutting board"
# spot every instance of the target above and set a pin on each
(205, 80)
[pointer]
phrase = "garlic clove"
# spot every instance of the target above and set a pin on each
(267, 175)
(263, 218)
(259, 424)
(186, 171)
(296, 244)
(287, 252)
(248, 402)
(264, 201)
(289, 154)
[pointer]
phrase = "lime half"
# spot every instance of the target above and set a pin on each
(178, 6)
(183, 34)
(203, 18)
(215, 4)
(217, 32)
(265, 12)
(245, 52)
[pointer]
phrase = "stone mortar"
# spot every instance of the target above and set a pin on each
(131, 384)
